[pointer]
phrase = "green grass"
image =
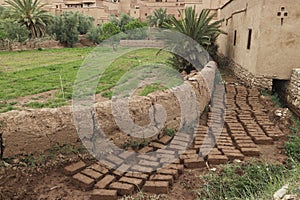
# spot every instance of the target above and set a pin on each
(151, 88)
(33, 72)
(251, 180)
(292, 146)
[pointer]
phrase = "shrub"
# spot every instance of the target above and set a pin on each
(68, 26)
(94, 34)
(13, 31)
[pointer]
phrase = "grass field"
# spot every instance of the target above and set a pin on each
(32, 72)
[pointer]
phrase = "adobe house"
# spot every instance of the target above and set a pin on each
(263, 39)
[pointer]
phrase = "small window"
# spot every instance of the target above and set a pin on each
(234, 38)
(134, 12)
(56, 6)
(146, 14)
(285, 14)
(249, 38)
(278, 14)
(282, 8)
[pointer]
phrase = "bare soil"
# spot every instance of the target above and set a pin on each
(18, 180)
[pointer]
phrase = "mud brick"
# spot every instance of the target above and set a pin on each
(99, 194)
(148, 163)
(146, 150)
(165, 151)
(263, 140)
(83, 181)
(178, 142)
(118, 173)
(190, 151)
(115, 159)
(234, 155)
(193, 163)
(162, 177)
(147, 157)
(178, 167)
(183, 137)
(143, 169)
(105, 181)
(126, 154)
(92, 174)
(123, 168)
(275, 135)
(108, 164)
(169, 160)
(165, 139)
(217, 159)
(246, 145)
(74, 168)
(99, 168)
(198, 142)
(137, 175)
(156, 187)
(250, 151)
(215, 151)
(122, 188)
(157, 145)
(177, 147)
(172, 172)
(187, 156)
(162, 155)
(134, 181)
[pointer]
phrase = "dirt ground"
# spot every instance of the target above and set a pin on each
(19, 180)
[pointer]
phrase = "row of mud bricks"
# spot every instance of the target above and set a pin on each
(246, 125)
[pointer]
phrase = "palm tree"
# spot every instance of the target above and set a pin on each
(31, 14)
(201, 28)
(158, 18)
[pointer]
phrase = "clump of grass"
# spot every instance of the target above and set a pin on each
(247, 181)
(151, 88)
(292, 146)
(135, 144)
(274, 97)
(169, 132)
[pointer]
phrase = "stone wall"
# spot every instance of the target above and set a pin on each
(35, 130)
(293, 91)
(249, 78)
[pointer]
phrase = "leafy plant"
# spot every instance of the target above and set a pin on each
(201, 28)
(169, 132)
(13, 31)
(30, 13)
(158, 18)
(94, 34)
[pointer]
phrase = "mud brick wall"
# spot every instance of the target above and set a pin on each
(293, 92)
(36, 130)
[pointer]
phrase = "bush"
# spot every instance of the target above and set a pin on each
(109, 29)
(135, 30)
(13, 31)
(68, 26)
(94, 34)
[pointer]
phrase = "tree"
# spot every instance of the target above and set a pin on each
(85, 23)
(94, 34)
(200, 28)
(65, 28)
(13, 31)
(121, 21)
(135, 30)
(108, 30)
(158, 18)
(31, 14)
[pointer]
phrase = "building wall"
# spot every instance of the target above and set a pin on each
(279, 48)
(274, 46)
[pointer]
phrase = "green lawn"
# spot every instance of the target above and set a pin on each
(32, 72)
